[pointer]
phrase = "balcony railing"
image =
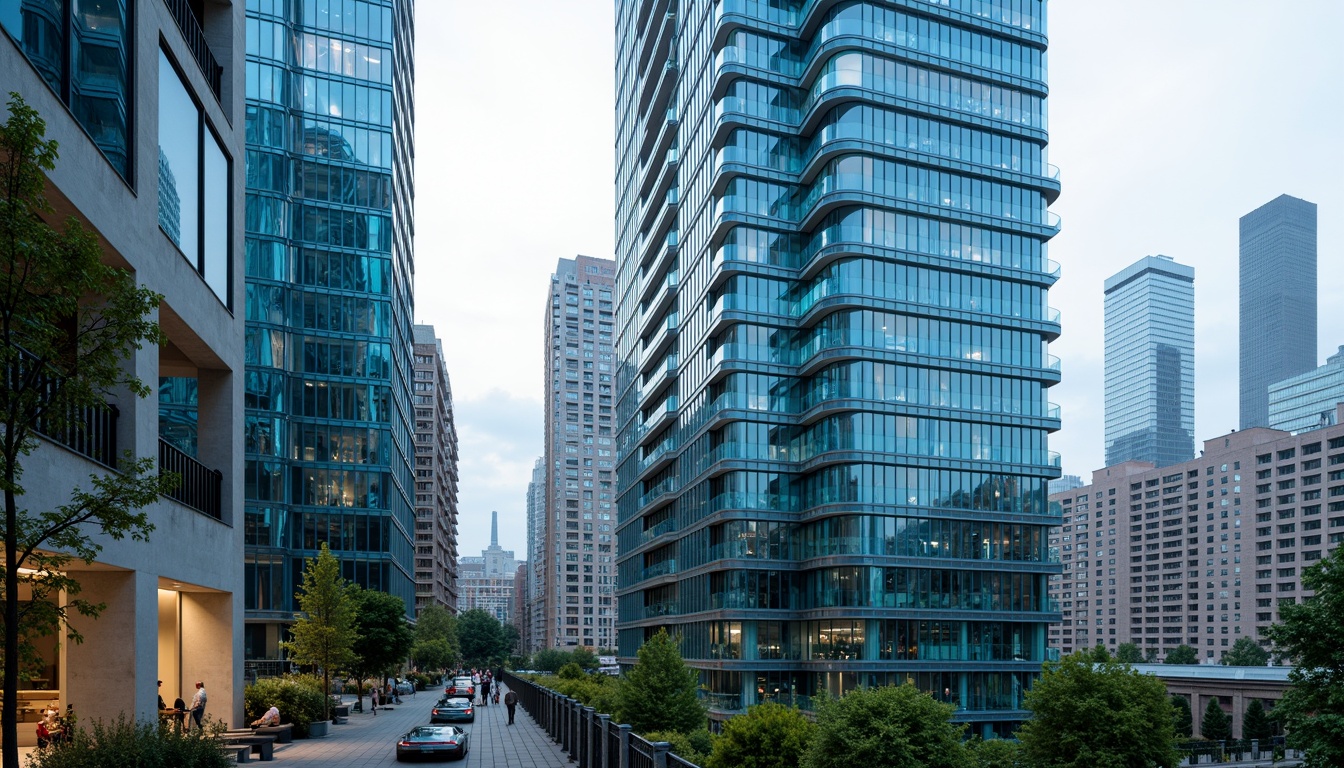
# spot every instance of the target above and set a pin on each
(195, 39)
(89, 431)
(200, 486)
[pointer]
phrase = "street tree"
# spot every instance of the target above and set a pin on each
(1106, 715)
(1182, 654)
(1216, 724)
(769, 735)
(323, 632)
(1246, 653)
(482, 639)
(1308, 634)
(659, 692)
(551, 659)
(1129, 653)
(1099, 654)
(997, 753)
(435, 646)
(382, 636)
(68, 324)
(1183, 718)
(891, 726)
(1255, 722)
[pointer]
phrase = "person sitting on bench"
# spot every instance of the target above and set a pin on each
(272, 717)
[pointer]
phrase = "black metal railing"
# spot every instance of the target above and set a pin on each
(199, 487)
(589, 738)
(195, 38)
(89, 431)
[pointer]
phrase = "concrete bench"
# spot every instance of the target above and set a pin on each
(341, 710)
(241, 752)
(283, 733)
(263, 746)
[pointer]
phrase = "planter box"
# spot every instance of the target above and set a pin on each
(318, 728)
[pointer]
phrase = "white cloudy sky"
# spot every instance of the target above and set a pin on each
(1169, 119)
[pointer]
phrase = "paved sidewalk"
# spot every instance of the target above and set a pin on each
(368, 740)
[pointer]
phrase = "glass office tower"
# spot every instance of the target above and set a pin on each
(1278, 300)
(329, 302)
(1150, 362)
(831, 284)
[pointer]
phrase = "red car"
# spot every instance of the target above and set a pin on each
(461, 686)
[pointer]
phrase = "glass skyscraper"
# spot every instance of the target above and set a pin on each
(329, 302)
(833, 327)
(1278, 300)
(1150, 362)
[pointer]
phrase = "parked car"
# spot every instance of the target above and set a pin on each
(460, 686)
(432, 741)
(453, 710)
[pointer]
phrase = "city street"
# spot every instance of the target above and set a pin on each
(367, 740)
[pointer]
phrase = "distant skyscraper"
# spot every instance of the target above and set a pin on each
(534, 628)
(1150, 362)
(1065, 483)
(579, 568)
(833, 338)
(1308, 400)
(1278, 300)
(328, 434)
(487, 582)
(435, 475)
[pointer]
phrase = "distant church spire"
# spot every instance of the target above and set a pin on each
(494, 529)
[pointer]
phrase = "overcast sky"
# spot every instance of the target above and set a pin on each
(1170, 119)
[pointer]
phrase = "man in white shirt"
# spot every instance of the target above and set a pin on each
(272, 717)
(198, 705)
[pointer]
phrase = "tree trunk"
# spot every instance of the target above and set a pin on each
(9, 723)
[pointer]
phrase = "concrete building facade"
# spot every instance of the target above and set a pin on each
(533, 629)
(1199, 553)
(1150, 362)
(1277, 300)
(435, 475)
(487, 582)
(1308, 400)
(578, 571)
(149, 118)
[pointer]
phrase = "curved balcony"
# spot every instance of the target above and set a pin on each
(652, 532)
(655, 37)
(658, 303)
(658, 457)
(658, 343)
(656, 383)
(660, 260)
(656, 143)
(658, 493)
(661, 415)
(655, 184)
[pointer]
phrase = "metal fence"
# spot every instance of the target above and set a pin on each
(590, 738)
(1220, 752)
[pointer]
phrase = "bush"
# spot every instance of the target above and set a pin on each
(125, 742)
(422, 681)
(298, 702)
(767, 736)
(694, 747)
(596, 691)
(571, 671)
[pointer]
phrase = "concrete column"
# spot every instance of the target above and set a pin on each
(219, 438)
(1238, 709)
(208, 654)
(115, 670)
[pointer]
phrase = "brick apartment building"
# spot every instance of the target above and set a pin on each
(1197, 553)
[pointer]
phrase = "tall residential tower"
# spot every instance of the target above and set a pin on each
(578, 572)
(1150, 362)
(833, 329)
(1278, 300)
(435, 475)
(329, 119)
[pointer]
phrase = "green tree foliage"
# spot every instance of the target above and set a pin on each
(1182, 654)
(482, 638)
(659, 692)
(299, 702)
(435, 646)
(125, 742)
(323, 632)
(694, 748)
(767, 736)
(1309, 634)
(1150, 655)
(550, 659)
(1087, 715)
(1099, 654)
(433, 655)
(1255, 723)
(571, 671)
(1246, 653)
(585, 658)
(1129, 653)
(596, 691)
(895, 726)
(1216, 725)
(1184, 720)
(997, 753)
(382, 636)
(68, 323)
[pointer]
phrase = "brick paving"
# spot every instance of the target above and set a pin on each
(368, 740)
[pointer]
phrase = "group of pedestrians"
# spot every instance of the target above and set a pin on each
(489, 688)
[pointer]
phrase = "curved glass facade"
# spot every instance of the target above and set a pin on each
(328, 432)
(833, 326)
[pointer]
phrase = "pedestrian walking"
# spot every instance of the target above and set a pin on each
(373, 701)
(511, 701)
(485, 692)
